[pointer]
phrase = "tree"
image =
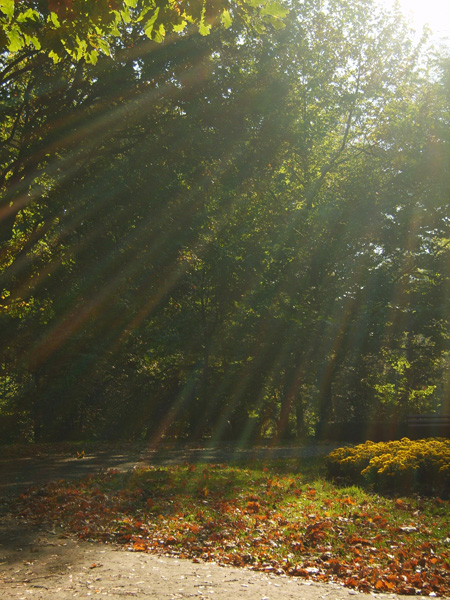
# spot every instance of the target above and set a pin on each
(234, 233)
(83, 29)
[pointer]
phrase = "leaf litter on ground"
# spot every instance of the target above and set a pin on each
(266, 517)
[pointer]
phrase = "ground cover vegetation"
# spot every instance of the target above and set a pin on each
(406, 466)
(234, 235)
(279, 516)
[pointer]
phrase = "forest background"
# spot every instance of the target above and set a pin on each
(240, 234)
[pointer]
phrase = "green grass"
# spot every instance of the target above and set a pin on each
(281, 516)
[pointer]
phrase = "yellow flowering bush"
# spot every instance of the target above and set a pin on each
(402, 466)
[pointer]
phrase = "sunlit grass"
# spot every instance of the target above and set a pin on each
(280, 516)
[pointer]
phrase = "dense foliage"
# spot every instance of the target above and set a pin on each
(238, 234)
(83, 29)
(404, 466)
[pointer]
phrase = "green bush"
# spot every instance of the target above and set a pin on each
(402, 466)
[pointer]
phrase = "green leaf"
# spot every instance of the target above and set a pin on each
(180, 27)
(274, 9)
(131, 3)
(226, 19)
(92, 57)
(143, 12)
(15, 40)
(7, 8)
(126, 14)
(104, 46)
(80, 49)
(148, 27)
(203, 28)
(28, 15)
(33, 40)
(56, 58)
(275, 22)
(259, 27)
(53, 18)
(255, 3)
(159, 34)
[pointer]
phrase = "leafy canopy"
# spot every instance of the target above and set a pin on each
(82, 28)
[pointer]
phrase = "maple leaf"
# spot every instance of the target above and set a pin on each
(253, 507)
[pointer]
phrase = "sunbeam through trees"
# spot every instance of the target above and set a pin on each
(240, 234)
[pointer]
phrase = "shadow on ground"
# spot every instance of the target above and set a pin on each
(16, 474)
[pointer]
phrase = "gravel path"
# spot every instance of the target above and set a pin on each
(41, 565)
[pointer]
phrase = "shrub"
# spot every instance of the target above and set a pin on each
(402, 466)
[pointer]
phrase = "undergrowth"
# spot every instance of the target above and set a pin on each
(281, 516)
(404, 466)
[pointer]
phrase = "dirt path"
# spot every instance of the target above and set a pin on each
(42, 564)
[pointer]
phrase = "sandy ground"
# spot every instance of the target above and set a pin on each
(42, 565)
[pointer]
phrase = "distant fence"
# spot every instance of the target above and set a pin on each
(413, 427)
